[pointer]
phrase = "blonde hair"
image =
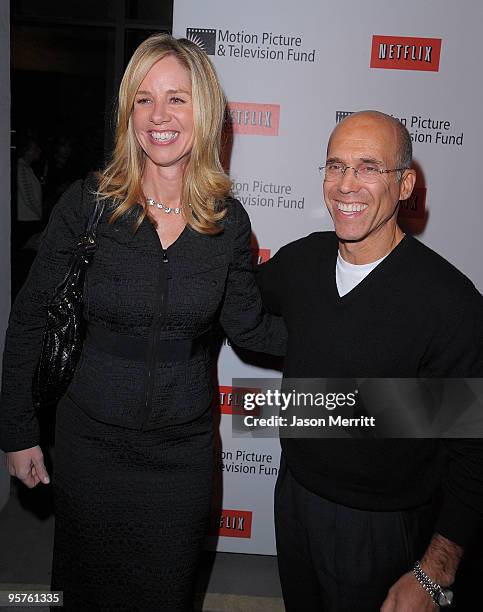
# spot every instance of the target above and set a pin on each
(205, 184)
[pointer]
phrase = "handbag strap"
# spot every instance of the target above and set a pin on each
(86, 246)
(96, 214)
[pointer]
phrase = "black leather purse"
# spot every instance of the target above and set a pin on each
(65, 327)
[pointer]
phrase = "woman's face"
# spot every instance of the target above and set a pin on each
(162, 116)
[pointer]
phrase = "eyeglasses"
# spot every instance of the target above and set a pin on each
(367, 173)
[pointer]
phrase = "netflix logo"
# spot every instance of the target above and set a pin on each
(231, 523)
(415, 206)
(260, 256)
(253, 118)
(231, 400)
(405, 53)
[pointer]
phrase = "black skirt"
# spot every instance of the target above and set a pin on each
(131, 509)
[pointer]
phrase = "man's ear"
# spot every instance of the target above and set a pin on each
(406, 184)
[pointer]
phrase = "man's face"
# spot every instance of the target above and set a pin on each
(364, 212)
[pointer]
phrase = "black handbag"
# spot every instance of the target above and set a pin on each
(64, 330)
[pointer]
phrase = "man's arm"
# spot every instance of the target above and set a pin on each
(440, 562)
(267, 276)
(457, 353)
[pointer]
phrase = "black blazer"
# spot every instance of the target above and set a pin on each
(138, 290)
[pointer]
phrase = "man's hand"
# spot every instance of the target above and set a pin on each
(440, 562)
(28, 466)
(407, 595)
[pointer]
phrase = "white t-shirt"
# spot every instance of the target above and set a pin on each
(348, 275)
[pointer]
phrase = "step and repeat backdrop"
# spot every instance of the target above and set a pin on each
(291, 71)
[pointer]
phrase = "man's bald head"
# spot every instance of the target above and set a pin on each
(364, 206)
(403, 153)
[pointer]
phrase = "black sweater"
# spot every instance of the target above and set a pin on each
(414, 315)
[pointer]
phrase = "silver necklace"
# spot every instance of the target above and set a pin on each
(161, 206)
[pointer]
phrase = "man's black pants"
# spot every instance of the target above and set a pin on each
(333, 558)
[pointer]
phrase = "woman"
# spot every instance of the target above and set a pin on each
(133, 456)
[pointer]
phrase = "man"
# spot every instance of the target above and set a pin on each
(353, 516)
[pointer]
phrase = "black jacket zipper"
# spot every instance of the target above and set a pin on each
(158, 317)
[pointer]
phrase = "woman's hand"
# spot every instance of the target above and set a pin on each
(28, 466)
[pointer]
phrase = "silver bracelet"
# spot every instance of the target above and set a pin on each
(440, 595)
